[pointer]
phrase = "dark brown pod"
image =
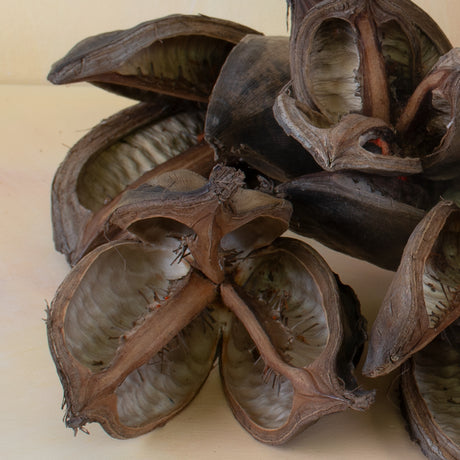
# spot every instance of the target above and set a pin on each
(424, 296)
(430, 383)
(177, 55)
(357, 69)
(289, 352)
(240, 124)
(365, 216)
(121, 152)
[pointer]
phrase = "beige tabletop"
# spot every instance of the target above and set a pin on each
(38, 124)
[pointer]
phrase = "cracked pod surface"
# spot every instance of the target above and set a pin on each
(122, 152)
(430, 383)
(178, 55)
(289, 352)
(423, 297)
(361, 86)
(366, 216)
(240, 124)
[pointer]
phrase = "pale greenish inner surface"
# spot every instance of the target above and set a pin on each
(265, 396)
(172, 377)
(107, 173)
(120, 288)
(332, 70)
(441, 277)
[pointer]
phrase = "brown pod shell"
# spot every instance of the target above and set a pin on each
(423, 297)
(178, 55)
(214, 219)
(240, 124)
(356, 69)
(122, 151)
(289, 351)
(430, 383)
(130, 334)
(365, 216)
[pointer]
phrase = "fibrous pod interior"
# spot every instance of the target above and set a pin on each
(289, 350)
(132, 334)
(424, 296)
(124, 151)
(178, 55)
(430, 385)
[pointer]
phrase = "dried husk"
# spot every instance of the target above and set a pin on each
(240, 124)
(423, 297)
(178, 55)
(357, 69)
(213, 219)
(122, 152)
(289, 350)
(365, 216)
(430, 382)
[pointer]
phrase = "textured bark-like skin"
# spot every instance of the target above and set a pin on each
(403, 311)
(435, 444)
(240, 123)
(341, 144)
(69, 216)
(365, 216)
(97, 59)
(321, 388)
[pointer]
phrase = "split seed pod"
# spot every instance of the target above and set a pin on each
(365, 216)
(123, 151)
(358, 70)
(430, 383)
(424, 296)
(134, 327)
(177, 55)
(240, 124)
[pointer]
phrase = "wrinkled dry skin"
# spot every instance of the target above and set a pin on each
(177, 55)
(430, 384)
(240, 124)
(122, 152)
(361, 93)
(347, 212)
(213, 219)
(424, 296)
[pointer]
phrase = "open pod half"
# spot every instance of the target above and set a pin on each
(122, 152)
(424, 296)
(177, 55)
(289, 350)
(361, 87)
(430, 390)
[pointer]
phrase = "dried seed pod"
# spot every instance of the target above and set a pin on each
(365, 216)
(123, 151)
(424, 296)
(430, 383)
(358, 67)
(178, 55)
(213, 220)
(240, 124)
(289, 351)
(131, 338)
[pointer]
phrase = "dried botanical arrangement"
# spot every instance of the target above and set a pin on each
(171, 214)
